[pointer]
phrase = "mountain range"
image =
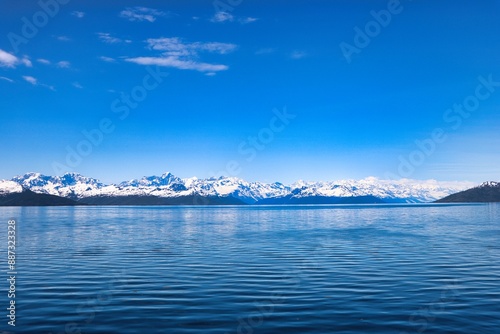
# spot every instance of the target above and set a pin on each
(168, 189)
(486, 192)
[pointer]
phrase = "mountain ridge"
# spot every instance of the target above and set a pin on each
(486, 192)
(170, 189)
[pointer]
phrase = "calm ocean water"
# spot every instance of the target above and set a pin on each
(278, 269)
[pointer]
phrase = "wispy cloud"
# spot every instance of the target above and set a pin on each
(34, 81)
(175, 46)
(43, 61)
(297, 54)
(245, 20)
(221, 16)
(63, 38)
(26, 62)
(9, 60)
(178, 63)
(78, 14)
(77, 85)
(107, 59)
(141, 14)
(185, 56)
(6, 79)
(107, 38)
(264, 51)
(64, 64)
(30, 79)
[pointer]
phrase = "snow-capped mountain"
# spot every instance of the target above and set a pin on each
(70, 185)
(404, 190)
(486, 192)
(78, 187)
(9, 187)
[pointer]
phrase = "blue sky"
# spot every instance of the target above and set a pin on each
(281, 91)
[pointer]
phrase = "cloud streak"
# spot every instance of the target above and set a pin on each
(34, 82)
(179, 64)
(43, 61)
(6, 79)
(297, 54)
(30, 79)
(107, 59)
(78, 14)
(64, 64)
(246, 20)
(139, 14)
(185, 56)
(222, 16)
(107, 38)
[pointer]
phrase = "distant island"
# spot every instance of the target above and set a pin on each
(486, 192)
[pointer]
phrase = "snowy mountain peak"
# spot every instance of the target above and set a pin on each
(71, 179)
(30, 180)
(165, 179)
(489, 184)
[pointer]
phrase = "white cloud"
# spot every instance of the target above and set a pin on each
(174, 46)
(6, 79)
(30, 79)
(298, 54)
(63, 38)
(77, 85)
(141, 14)
(26, 62)
(107, 38)
(264, 51)
(9, 60)
(107, 59)
(222, 16)
(184, 56)
(177, 63)
(78, 14)
(43, 61)
(34, 82)
(64, 64)
(246, 20)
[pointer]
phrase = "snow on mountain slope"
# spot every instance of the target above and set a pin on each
(71, 185)
(248, 192)
(76, 186)
(10, 187)
(405, 189)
